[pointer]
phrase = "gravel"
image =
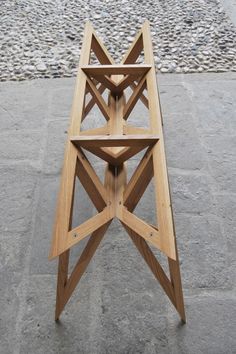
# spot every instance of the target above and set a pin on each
(42, 38)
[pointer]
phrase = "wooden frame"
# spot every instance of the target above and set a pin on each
(115, 143)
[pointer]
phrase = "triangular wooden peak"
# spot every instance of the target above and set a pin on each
(115, 142)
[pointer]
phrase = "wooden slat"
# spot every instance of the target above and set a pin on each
(140, 227)
(175, 276)
(114, 140)
(95, 83)
(91, 184)
(139, 182)
(133, 69)
(164, 213)
(126, 82)
(92, 102)
(130, 129)
(134, 97)
(142, 97)
(113, 158)
(127, 153)
(135, 50)
(103, 153)
(119, 174)
(66, 194)
(110, 186)
(90, 188)
(177, 286)
(80, 86)
(100, 50)
(88, 227)
(153, 264)
(63, 264)
(107, 82)
(98, 98)
(90, 171)
(116, 88)
(62, 275)
(96, 131)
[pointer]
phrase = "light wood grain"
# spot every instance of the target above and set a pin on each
(164, 212)
(142, 97)
(139, 181)
(135, 49)
(116, 69)
(62, 277)
(130, 129)
(107, 82)
(101, 88)
(100, 50)
(134, 97)
(98, 98)
(153, 264)
(125, 82)
(88, 227)
(69, 286)
(116, 142)
(104, 130)
(66, 194)
(91, 182)
(140, 227)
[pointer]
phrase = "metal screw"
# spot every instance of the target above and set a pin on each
(151, 234)
(120, 202)
(75, 234)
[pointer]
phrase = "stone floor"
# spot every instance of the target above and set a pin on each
(119, 307)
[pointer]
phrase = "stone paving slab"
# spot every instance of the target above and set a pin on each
(118, 306)
(210, 329)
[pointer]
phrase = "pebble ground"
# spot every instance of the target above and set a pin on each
(42, 38)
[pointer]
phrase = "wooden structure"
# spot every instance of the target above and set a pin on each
(115, 142)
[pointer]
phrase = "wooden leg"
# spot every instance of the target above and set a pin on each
(66, 286)
(175, 276)
(177, 286)
(152, 262)
(61, 281)
(173, 288)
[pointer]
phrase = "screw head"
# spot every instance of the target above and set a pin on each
(151, 234)
(75, 234)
